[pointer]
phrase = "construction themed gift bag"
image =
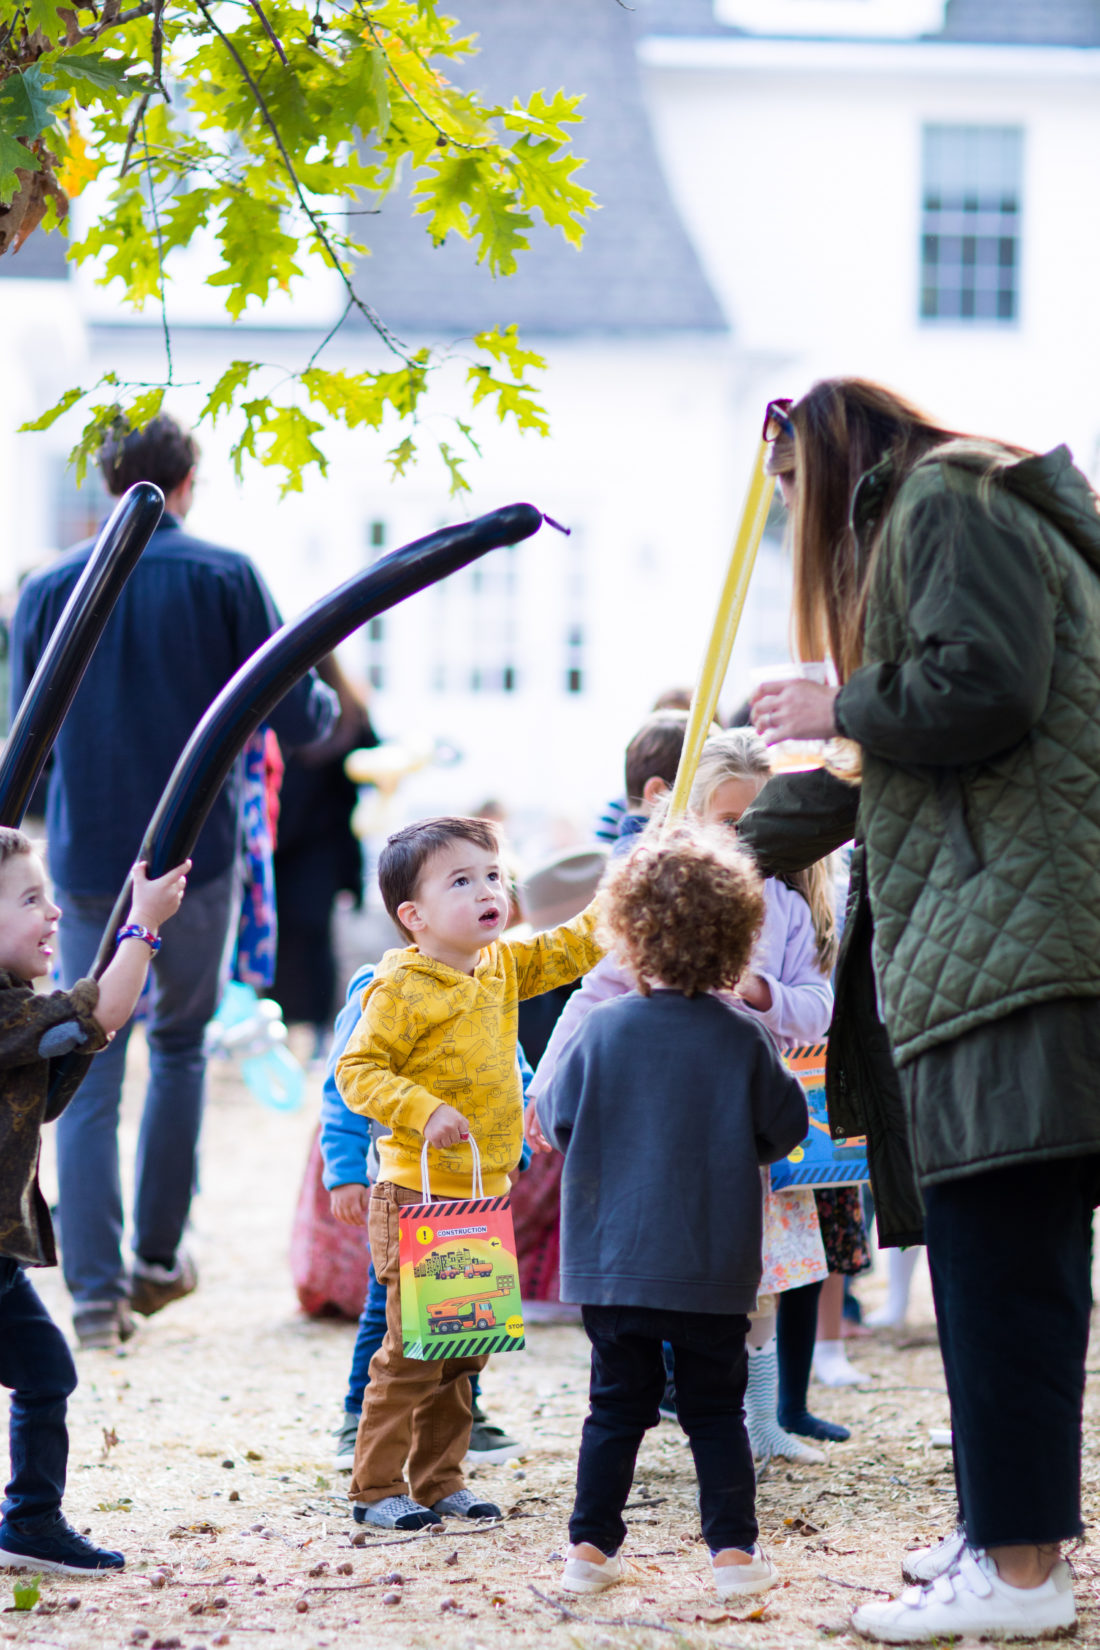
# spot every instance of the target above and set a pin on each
(459, 1278)
(820, 1160)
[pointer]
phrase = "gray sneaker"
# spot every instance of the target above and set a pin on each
(465, 1504)
(490, 1443)
(345, 1435)
(153, 1287)
(396, 1512)
(102, 1325)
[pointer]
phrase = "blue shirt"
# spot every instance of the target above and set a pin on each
(189, 616)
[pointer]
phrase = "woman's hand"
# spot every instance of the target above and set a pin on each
(797, 709)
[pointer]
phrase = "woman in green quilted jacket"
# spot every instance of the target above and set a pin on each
(955, 583)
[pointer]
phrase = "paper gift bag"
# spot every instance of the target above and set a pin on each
(328, 1260)
(459, 1278)
(820, 1160)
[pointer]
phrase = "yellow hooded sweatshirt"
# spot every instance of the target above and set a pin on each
(430, 1035)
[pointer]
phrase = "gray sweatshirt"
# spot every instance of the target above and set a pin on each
(664, 1107)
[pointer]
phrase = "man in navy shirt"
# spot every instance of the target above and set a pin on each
(189, 617)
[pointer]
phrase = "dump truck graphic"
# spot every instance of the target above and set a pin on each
(468, 1311)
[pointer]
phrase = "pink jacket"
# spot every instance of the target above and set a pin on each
(785, 956)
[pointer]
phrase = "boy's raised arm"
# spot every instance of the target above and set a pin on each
(559, 956)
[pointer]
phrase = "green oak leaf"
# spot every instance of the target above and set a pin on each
(15, 157)
(106, 74)
(221, 397)
(505, 346)
(27, 104)
(454, 463)
(44, 420)
(400, 457)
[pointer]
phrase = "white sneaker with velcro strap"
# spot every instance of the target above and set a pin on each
(924, 1564)
(971, 1598)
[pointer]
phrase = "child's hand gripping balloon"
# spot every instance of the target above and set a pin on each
(151, 904)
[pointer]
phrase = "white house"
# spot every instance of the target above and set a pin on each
(900, 188)
(789, 188)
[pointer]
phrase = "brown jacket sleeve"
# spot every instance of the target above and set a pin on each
(46, 1026)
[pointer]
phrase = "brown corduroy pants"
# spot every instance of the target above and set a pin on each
(414, 1412)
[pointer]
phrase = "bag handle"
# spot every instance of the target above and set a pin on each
(425, 1185)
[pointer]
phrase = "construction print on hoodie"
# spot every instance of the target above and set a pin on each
(431, 1035)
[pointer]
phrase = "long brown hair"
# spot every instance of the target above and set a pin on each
(843, 428)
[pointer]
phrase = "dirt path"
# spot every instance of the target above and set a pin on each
(204, 1452)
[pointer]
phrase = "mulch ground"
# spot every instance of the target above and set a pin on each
(203, 1450)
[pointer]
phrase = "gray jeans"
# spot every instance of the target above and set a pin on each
(188, 976)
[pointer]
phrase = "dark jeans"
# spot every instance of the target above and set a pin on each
(372, 1332)
(37, 1366)
(188, 976)
(1009, 1253)
(628, 1379)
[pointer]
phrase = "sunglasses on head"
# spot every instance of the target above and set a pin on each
(776, 422)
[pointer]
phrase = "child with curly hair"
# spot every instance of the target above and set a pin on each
(665, 1105)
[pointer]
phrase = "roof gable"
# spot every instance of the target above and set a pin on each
(989, 22)
(637, 270)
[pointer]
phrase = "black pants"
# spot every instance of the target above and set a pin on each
(628, 1378)
(1009, 1253)
(37, 1366)
(796, 1336)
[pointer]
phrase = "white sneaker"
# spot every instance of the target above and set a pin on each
(884, 1317)
(831, 1366)
(582, 1575)
(739, 1580)
(972, 1599)
(768, 1440)
(926, 1563)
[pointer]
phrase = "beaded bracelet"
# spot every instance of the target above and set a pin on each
(135, 931)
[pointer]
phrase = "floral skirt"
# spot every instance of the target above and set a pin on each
(793, 1250)
(840, 1211)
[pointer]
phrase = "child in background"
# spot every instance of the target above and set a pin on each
(350, 1165)
(434, 1060)
(787, 989)
(664, 1105)
(608, 825)
(35, 1363)
(652, 757)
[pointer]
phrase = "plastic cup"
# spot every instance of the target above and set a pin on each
(790, 755)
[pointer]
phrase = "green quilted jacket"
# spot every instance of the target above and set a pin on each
(978, 714)
(978, 821)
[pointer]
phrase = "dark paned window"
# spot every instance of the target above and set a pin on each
(970, 224)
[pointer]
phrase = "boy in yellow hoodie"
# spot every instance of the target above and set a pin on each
(434, 1059)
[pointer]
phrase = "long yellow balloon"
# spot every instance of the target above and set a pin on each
(731, 605)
